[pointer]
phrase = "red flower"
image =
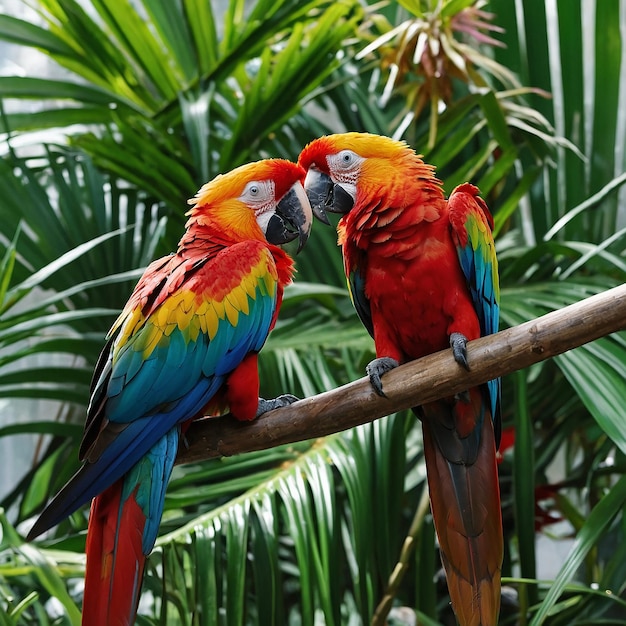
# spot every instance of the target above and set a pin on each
(507, 440)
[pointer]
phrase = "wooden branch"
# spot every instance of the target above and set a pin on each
(424, 380)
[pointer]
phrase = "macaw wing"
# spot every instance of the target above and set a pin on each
(471, 231)
(356, 287)
(164, 367)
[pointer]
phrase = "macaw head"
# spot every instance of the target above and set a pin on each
(342, 167)
(260, 200)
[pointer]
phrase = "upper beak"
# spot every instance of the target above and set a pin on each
(293, 218)
(325, 195)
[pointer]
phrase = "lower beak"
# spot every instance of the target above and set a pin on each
(293, 218)
(326, 195)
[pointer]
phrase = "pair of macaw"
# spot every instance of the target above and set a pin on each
(422, 275)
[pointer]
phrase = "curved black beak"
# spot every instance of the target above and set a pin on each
(325, 195)
(293, 218)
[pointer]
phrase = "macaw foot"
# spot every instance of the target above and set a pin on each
(276, 403)
(376, 368)
(458, 343)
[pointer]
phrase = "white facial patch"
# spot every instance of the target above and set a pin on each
(344, 168)
(259, 196)
(263, 219)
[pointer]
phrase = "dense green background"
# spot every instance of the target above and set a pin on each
(149, 100)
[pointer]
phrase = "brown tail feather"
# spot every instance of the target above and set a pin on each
(465, 502)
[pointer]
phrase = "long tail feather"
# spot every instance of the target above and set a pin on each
(93, 477)
(123, 525)
(115, 559)
(465, 502)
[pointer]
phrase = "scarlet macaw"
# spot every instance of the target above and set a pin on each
(186, 342)
(422, 274)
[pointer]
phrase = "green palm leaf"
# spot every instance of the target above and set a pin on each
(302, 529)
(173, 93)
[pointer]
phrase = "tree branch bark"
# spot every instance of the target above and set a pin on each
(424, 380)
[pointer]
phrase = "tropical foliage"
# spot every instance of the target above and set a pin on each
(155, 98)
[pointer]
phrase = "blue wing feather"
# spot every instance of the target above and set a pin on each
(138, 401)
(133, 442)
(147, 480)
(471, 229)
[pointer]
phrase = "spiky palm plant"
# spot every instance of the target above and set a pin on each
(171, 94)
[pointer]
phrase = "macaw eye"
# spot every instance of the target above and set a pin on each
(258, 194)
(346, 158)
(257, 191)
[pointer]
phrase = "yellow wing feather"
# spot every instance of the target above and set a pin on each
(193, 313)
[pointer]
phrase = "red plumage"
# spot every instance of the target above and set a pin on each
(115, 559)
(188, 339)
(421, 270)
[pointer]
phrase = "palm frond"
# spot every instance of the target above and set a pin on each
(324, 546)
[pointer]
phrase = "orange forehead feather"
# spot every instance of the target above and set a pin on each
(366, 145)
(230, 186)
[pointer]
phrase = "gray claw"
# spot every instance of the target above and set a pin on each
(376, 368)
(458, 343)
(276, 403)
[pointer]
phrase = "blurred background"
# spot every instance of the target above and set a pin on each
(114, 112)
